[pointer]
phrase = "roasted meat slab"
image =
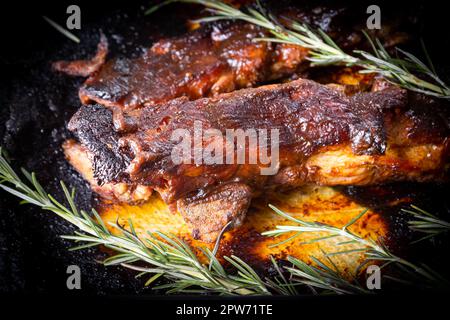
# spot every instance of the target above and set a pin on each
(213, 59)
(216, 58)
(325, 137)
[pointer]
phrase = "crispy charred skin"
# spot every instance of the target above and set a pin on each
(324, 137)
(80, 158)
(107, 160)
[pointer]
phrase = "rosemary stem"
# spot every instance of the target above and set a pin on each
(323, 50)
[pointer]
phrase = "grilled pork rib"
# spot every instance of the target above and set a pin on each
(325, 137)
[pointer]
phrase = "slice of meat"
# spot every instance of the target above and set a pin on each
(325, 137)
(208, 61)
(216, 58)
(226, 203)
(84, 68)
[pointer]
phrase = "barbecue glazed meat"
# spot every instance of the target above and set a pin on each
(213, 59)
(325, 137)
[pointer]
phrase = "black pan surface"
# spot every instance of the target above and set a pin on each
(36, 104)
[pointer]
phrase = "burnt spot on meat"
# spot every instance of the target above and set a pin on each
(93, 126)
(368, 135)
(429, 118)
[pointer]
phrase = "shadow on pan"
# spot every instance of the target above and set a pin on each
(36, 104)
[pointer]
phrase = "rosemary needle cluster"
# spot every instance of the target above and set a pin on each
(159, 255)
(401, 70)
(164, 255)
(374, 251)
(427, 223)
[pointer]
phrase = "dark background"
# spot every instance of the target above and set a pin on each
(35, 105)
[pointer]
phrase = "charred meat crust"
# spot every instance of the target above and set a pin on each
(100, 138)
(80, 158)
(368, 135)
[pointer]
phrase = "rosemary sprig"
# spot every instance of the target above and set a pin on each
(427, 223)
(164, 255)
(167, 256)
(326, 278)
(401, 70)
(374, 251)
(159, 255)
